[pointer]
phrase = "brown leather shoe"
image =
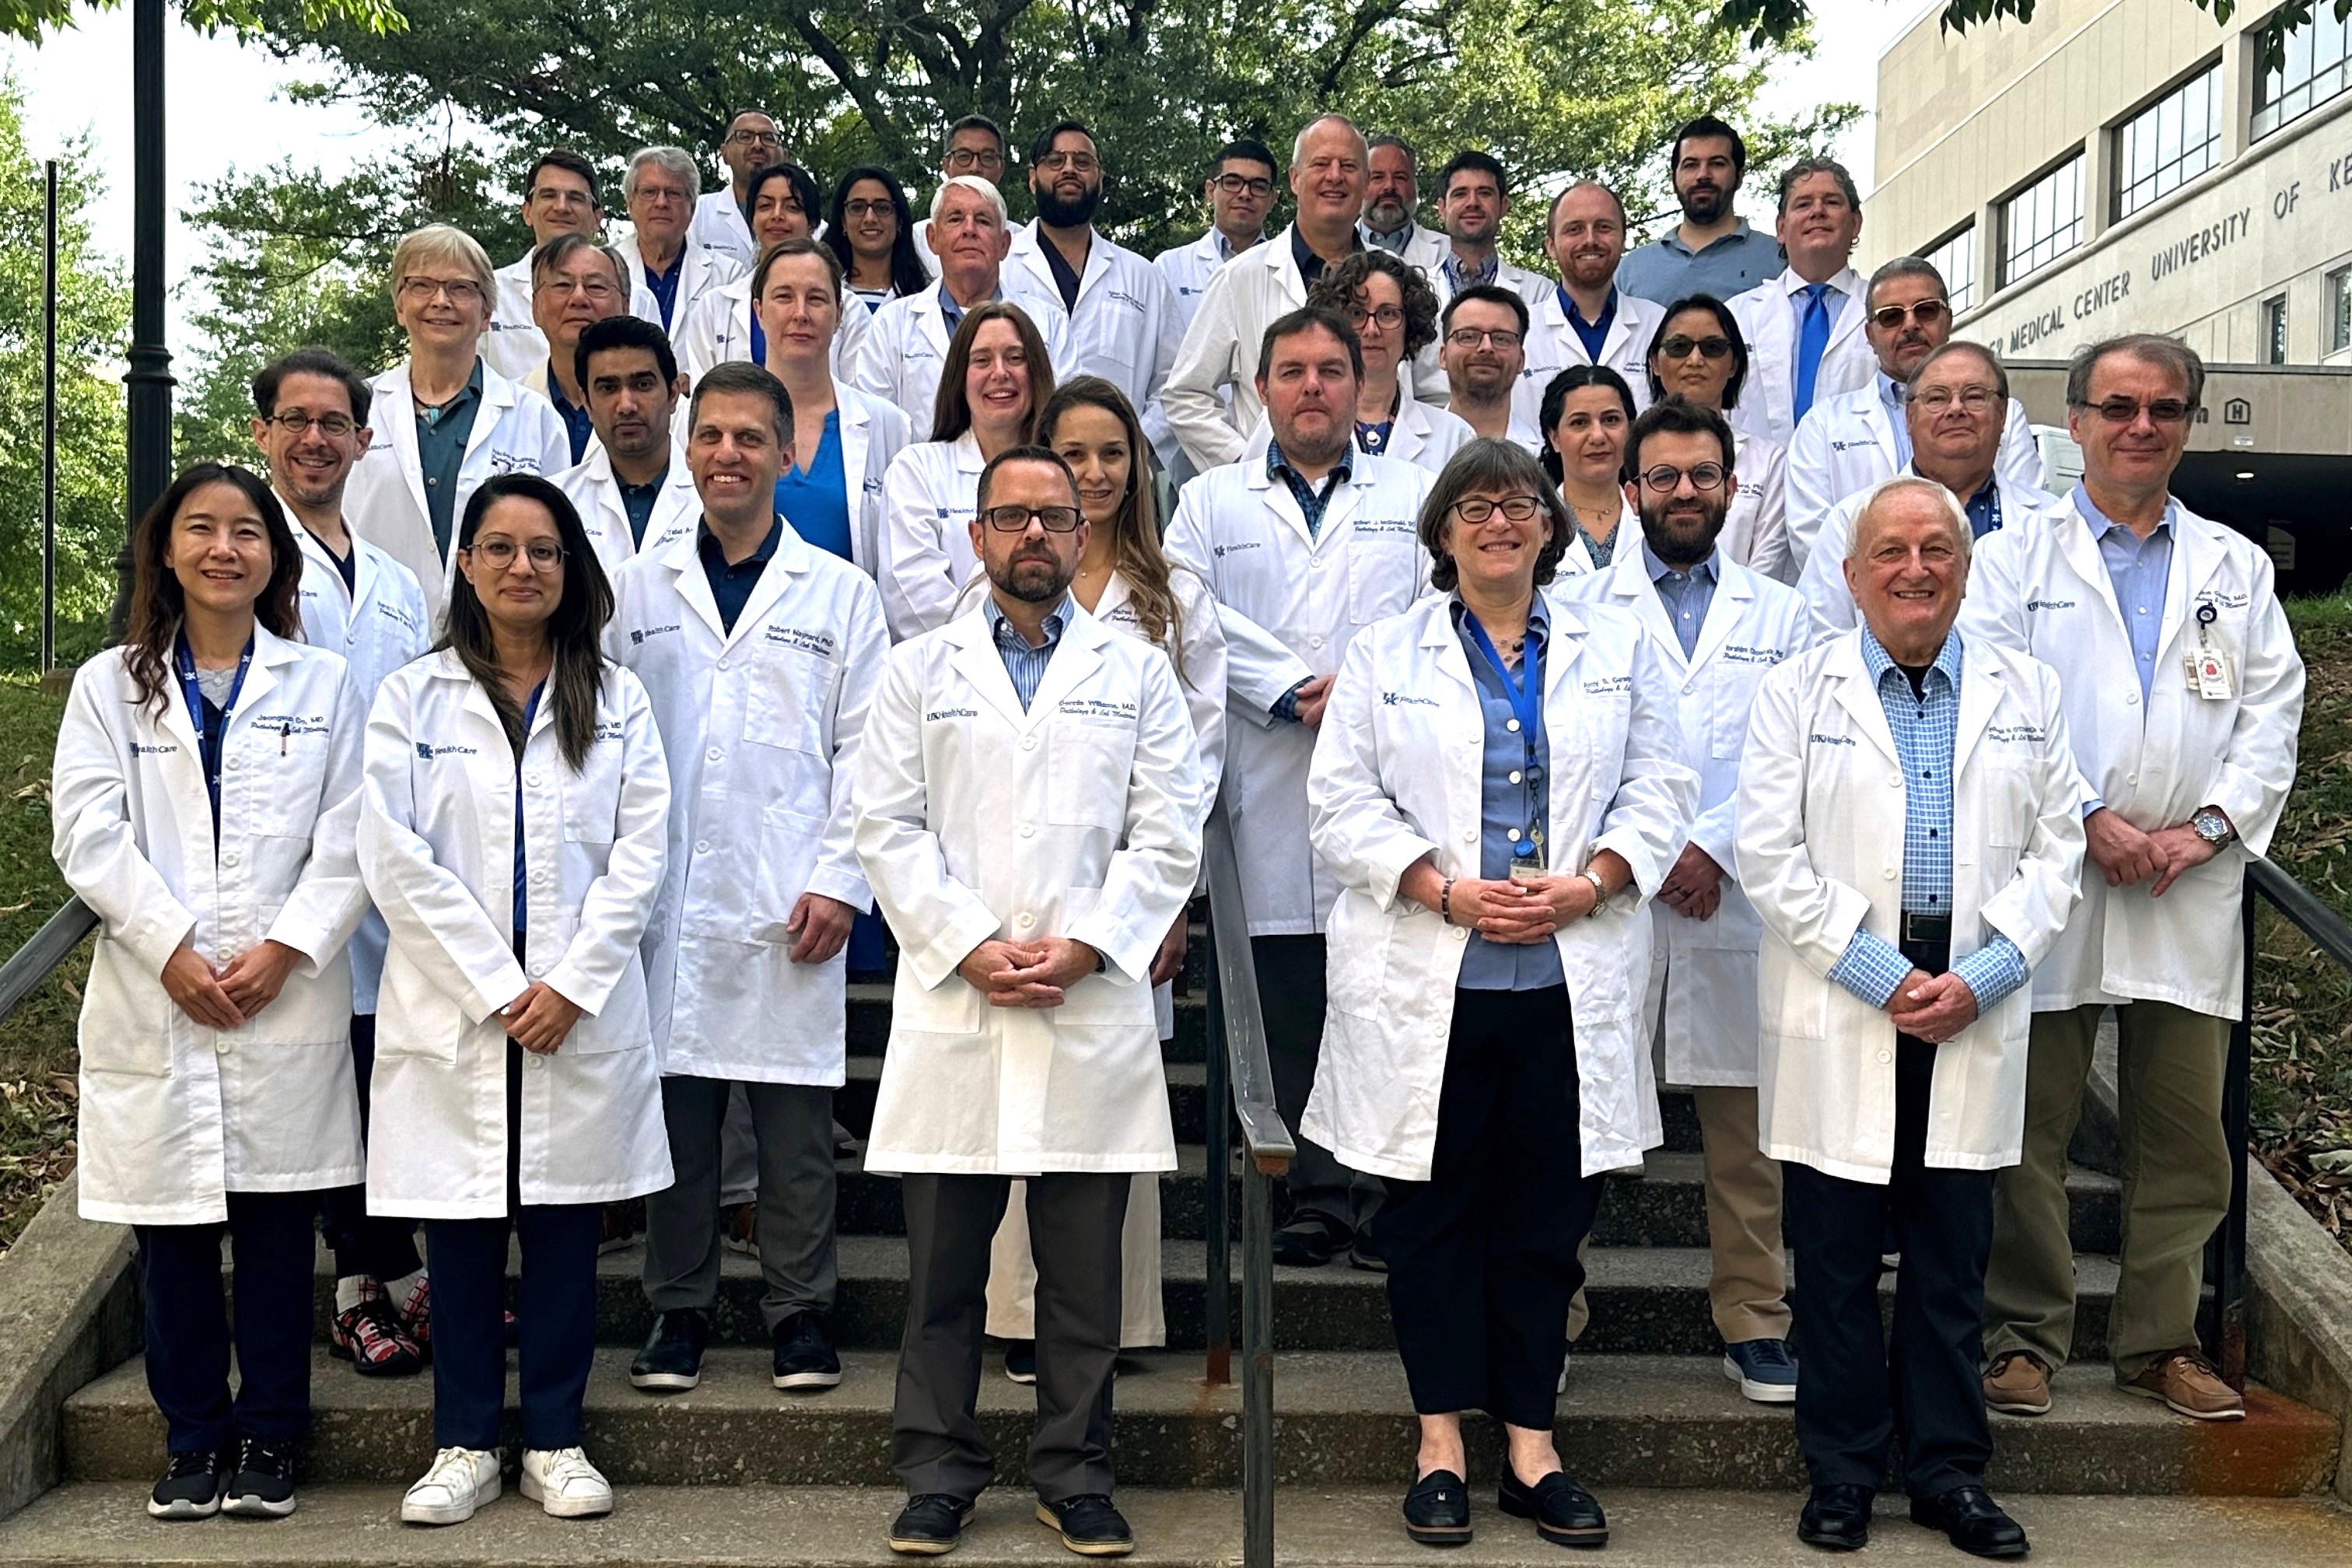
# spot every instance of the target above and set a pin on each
(2017, 1383)
(2189, 1386)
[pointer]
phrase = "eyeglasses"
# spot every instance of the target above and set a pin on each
(498, 552)
(1471, 337)
(1925, 313)
(1477, 509)
(2125, 410)
(755, 139)
(1665, 479)
(595, 287)
(1015, 519)
(1386, 316)
(963, 160)
(1680, 347)
(1971, 399)
(867, 209)
(293, 421)
(1079, 163)
(1237, 185)
(459, 290)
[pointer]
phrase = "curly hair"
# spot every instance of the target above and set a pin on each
(1341, 284)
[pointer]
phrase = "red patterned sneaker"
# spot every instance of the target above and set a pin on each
(372, 1337)
(415, 1309)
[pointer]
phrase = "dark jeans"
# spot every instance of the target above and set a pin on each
(189, 1333)
(366, 1244)
(1481, 1256)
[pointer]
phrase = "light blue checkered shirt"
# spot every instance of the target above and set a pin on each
(1925, 729)
(1025, 664)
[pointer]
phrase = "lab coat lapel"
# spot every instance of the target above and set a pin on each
(1631, 588)
(2195, 558)
(983, 668)
(1981, 690)
(1075, 659)
(1735, 590)
(1882, 428)
(498, 396)
(1849, 317)
(682, 557)
(2081, 549)
(792, 557)
(394, 392)
(1859, 695)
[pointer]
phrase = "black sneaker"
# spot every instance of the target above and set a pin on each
(929, 1525)
(1020, 1361)
(263, 1486)
(1089, 1525)
(190, 1487)
(804, 1357)
(672, 1359)
(1309, 1240)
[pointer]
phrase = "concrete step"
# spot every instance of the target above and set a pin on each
(1344, 1420)
(842, 1527)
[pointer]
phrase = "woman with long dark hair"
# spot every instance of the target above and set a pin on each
(513, 835)
(205, 791)
(871, 229)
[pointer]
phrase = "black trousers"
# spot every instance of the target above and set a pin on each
(555, 1312)
(366, 1244)
(1481, 1256)
(189, 1334)
(1075, 1225)
(1290, 994)
(1923, 1387)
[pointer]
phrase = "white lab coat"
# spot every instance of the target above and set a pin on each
(719, 226)
(717, 330)
(173, 1115)
(1424, 248)
(1125, 327)
(761, 726)
(976, 820)
(2046, 589)
(1289, 605)
(516, 431)
(437, 848)
(924, 558)
(1422, 434)
(1528, 286)
(514, 346)
(1767, 320)
(1552, 346)
(1821, 856)
(906, 347)
(1395, 779)
(706, 270)
(1755, 526)
(1830, 602)
(1704, 972)
(377, 625)
(1188, 268)
(596, 496)
(1847, 444)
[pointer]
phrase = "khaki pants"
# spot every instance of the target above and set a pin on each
(2175, 1184)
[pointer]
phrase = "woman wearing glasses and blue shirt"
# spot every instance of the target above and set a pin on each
(1472, 911)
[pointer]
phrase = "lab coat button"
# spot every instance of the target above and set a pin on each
(1025, 919)
(1469, 836)
(531, 779)
(1314, 642)
(220, 1043)
(713, 755)
(723, 664)
(230, 859)
(1889, 873)
(702, 847)
(1886, 1056)
(234, 763)
(1459, 933)
(1691, 688)
(1028, 742)
(1894, 781)
(2131, 778)
(2131, 698)
(1028, 830)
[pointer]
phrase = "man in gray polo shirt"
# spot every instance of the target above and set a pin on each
(1712, 250)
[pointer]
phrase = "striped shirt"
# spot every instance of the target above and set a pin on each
(1025, 664)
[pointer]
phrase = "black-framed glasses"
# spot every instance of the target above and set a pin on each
(1475, 509)
(293, 421)
(965, 160)
(1665, 479)
(1923, 313)
(755, 137)
(2125, 410)
(1241, 184)
(1015, 519)
(461, 291)
(1680, 346)
(1388, 316)
(498, 552)
(1471, 337)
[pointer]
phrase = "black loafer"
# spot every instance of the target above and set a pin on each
(1836, 1518)
(1564, 1513)
(1973, 1522)
(1308, 1241)
(1089, 1524)
(1437, 1510)
(929, 1525)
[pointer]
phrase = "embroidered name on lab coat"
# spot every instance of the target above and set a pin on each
(141, 749)
(2017, 734)
(396, 614)
(1220, 550)
(1818, 738)
(1405, 699)
(818, 643)
(1096, 708)
(287, 724)
(2221, 600)
(512, 462)
(1602, 685)
(1739, 653)
(1388, 525)
(428, 750)
(937, 714)
(2049, 603)
(637, 635)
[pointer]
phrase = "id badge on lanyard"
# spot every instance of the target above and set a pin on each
(2210, 672)
(1528, 862)
(210, 743)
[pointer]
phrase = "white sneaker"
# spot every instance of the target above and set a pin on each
(461, 1480)
(564, 1482)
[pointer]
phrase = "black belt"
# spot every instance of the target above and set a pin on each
(1919, 928)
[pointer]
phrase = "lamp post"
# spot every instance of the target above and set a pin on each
(150, 375)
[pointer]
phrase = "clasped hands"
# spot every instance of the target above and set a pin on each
(2129, 856)
(1934, 1007)
(1027, 974)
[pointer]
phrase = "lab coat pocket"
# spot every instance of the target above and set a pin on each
(1383, 573)
(1728, 740)
(785, 706)
(117, 1036)
(1792, 1002)
(2009, 812)
(1088, 767)
(1358, 944)
(788, 843)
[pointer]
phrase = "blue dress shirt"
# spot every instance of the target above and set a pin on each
(1025, 664)
(2140, 571)
(1685, 594)
(1591, 334)
(1890, 394)
(1513, 805)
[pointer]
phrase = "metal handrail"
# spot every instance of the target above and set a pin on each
(2225, 1253)
(1240, 1075)
(49, 947)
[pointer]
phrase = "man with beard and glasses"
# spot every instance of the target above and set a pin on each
(1712, 250)
(1719, 628)
(1028, 816)
(1391, 198)
(721, 219)
(1584, 318)
(1123, 322)
(1473, 198)
(1482, 343)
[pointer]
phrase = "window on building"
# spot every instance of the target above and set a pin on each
(2339, 310)
(2169, 143)
(1956, 258)
(2318, 65)
(2274, 328)
(2041, 222)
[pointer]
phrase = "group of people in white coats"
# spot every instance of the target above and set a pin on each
(618, 699)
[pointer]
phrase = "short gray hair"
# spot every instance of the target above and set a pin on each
(1804, 166)
(2149, 348)
(978, 186)
(1965, 346)
(670, 160)
(1945, 503)
(1906, 266)
(1299, 142)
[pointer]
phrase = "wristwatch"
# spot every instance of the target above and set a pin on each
(2212, 826)
(1600, 891)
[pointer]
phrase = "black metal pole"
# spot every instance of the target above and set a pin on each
(150, 377)
(1257, 1367)
(50, 430)
(2225, 1253)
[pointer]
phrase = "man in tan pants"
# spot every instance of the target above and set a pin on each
(2182, 692)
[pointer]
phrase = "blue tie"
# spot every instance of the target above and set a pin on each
(1812, 342)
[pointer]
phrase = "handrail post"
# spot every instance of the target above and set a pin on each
(1257, 1369)
(1216, 1221)
(2225, 1253)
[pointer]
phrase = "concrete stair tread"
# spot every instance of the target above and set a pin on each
(1344, 1418)
(841, 1527)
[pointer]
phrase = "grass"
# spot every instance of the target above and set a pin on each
(36, 1042)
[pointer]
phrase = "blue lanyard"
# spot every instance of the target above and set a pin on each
(211, 742)
(1525, 693)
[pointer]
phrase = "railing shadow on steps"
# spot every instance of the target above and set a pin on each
(1239, 1074)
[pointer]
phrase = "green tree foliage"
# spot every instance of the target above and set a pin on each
(29, 19)
(93, 319)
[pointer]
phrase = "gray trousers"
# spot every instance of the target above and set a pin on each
(1075, 1220)
(792, 1127)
